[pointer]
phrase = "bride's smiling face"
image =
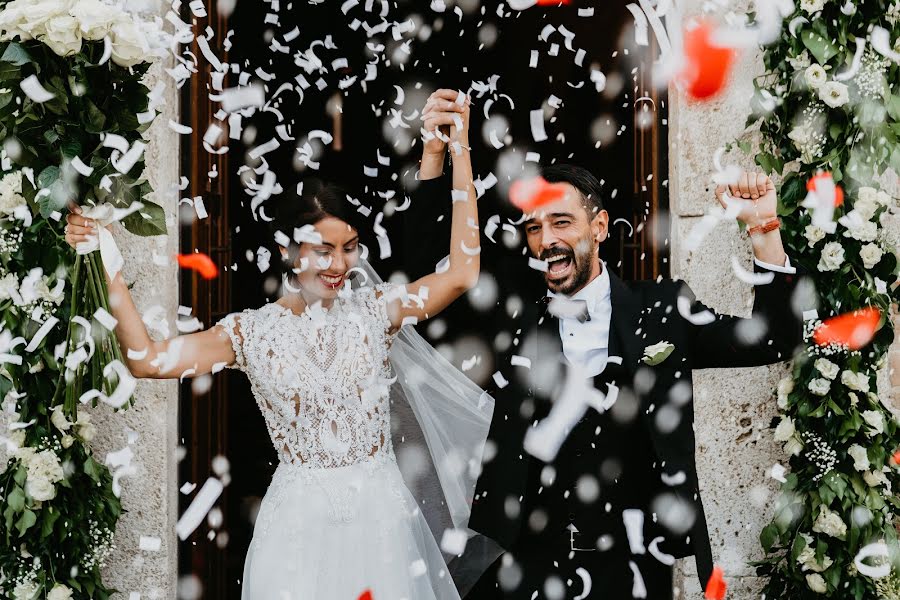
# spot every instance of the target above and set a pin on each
(323, 262)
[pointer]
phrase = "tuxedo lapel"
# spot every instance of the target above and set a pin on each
(623, 341)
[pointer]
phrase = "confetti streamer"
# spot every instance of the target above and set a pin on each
(749, 277)
(707, 65)
(35, 91)
(586, 583)
(537, 125)
(200, 263)
(853, 330)
(716, 586)
(199, 508)
(530, 194)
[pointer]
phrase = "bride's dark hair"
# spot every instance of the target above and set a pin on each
(317, 200)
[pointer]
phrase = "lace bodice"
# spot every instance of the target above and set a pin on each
(321, 378)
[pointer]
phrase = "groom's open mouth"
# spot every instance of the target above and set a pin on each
(559, 266)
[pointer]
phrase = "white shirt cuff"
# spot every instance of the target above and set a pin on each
(786, 268)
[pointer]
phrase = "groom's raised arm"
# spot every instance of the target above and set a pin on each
(769, 335)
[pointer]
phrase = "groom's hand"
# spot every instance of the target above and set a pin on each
(758, 193)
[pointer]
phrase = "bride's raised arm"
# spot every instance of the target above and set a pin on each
(447, 114)
(190, 355)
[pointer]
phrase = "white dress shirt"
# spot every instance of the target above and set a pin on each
(586, 344)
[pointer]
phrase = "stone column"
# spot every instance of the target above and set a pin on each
(150, 429)
(732, 407)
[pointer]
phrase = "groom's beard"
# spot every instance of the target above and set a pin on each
(582, 258)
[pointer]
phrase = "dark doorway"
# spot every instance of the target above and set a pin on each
(618, 133)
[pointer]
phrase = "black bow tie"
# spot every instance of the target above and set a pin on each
(567, 308)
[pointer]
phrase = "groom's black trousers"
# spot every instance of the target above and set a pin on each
(611, 576)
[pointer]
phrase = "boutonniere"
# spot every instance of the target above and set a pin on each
(658, 352)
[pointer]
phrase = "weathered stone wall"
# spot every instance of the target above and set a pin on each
(733, 407)
(150, 496)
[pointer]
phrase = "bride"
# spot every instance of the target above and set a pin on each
(342, 516)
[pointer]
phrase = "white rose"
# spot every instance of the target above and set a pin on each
(883, 198)
(864, 231)
(785, 430)
(866, 207)
(38, 12)
(830, 523)
(813, 234)
(860, 457)
(59, 420)
(828, 369)
(785, 385)
(9, 288)
(871, 255)
(819, 386)
(875, 421)
(25, 591)
(832, 257)
(815, 581)
(834, 94)
(63, 35)
(60, 592)
(87, 431)
(17, 437)
(855, 381)
(11, 18)
(793, 447)
(67, 441)
(807, 558)
(11, 196)
(876, 478)
(866, 193)
(812, 6)
(129, 44)
(815, 76)
(854, 399)
(40, 488)
(95, 18)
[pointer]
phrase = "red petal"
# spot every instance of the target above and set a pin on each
(897, 458)
(200, 263)
(529, 194)
(553, 2)
(716, 586)
(812, 186)
(366, 595)
(854, 329)
(706, 65)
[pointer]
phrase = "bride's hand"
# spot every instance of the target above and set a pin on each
(442, 113)
(79, 229)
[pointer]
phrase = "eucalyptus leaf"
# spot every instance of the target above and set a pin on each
(15, 54)
(149, 220)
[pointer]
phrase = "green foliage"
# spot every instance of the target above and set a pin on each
(859, 142)
(69, 534)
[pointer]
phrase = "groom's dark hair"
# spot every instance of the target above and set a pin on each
(582, 180)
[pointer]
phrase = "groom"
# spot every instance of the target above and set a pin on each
(593, 482)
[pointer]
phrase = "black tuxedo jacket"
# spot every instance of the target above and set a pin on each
(660, 398)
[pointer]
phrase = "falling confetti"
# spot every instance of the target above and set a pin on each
(823, 185)
(716, 587)
(530, 194)
(366, 595)
(200, 263)
(707, 65)
(853, 330)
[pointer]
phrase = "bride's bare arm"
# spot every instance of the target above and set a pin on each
(191, 355)
(437, 290)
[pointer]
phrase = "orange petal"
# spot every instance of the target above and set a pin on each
(200, 263)
(854, 329)
(716, 586)
(366, 595)
(897, 458)
(706, 65)
(812, 186)
(530, 194)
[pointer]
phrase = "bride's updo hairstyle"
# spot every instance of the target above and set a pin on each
(317, 200)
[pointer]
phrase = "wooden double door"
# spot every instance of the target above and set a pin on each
(619, 134)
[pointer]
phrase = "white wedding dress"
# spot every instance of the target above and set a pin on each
(338, 518)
